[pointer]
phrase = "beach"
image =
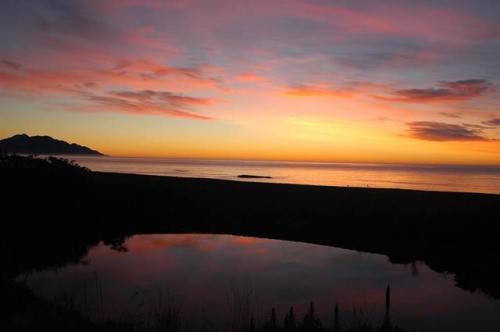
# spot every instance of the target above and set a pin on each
(457, 178)
(62, 211)
(406, 225)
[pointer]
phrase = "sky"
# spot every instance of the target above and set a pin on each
(393, 81)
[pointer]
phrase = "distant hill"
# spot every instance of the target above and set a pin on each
(43, 145)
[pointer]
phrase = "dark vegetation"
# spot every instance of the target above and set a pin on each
(54, 211)
(25, 144)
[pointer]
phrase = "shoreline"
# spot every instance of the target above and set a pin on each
(284, 161)
(428, 177)
(247, 178)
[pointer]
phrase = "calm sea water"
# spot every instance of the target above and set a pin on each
(481, 179)
(212, 279)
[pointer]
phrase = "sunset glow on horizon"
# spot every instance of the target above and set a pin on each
(302, 80)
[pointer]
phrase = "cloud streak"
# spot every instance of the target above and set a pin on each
(167, 97)
(133, 73)
(315, 91)
(91, 85)
(439, 131)
(493, 122)
(446, 91)
(11, 64)
(108, 103)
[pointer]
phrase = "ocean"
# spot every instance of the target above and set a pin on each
(480, 179)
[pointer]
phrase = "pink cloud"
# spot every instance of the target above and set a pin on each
(109, 103)
(249, 77)
(135, 74)
(433, 23)
(316, 90)
(147, 37)
(90, 85)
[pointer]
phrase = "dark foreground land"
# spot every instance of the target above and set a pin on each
(54, 211)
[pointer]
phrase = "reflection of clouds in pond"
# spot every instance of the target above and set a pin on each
(201, 270)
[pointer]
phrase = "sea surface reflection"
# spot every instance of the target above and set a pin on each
(483, 179)
(203, 275)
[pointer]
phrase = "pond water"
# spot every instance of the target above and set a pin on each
(214, 279)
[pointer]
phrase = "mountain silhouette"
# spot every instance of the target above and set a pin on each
(43, 145)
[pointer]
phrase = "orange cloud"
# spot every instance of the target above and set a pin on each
(316, 90)
(249, 77)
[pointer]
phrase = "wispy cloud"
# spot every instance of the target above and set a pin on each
(110, 103)
(132, 73)
(11, 64)
(445, 91)
(493, 122)
(439, 131)
(91, 85)
(450, 115)
(177, 100)
(315, 90)
(249, 77)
